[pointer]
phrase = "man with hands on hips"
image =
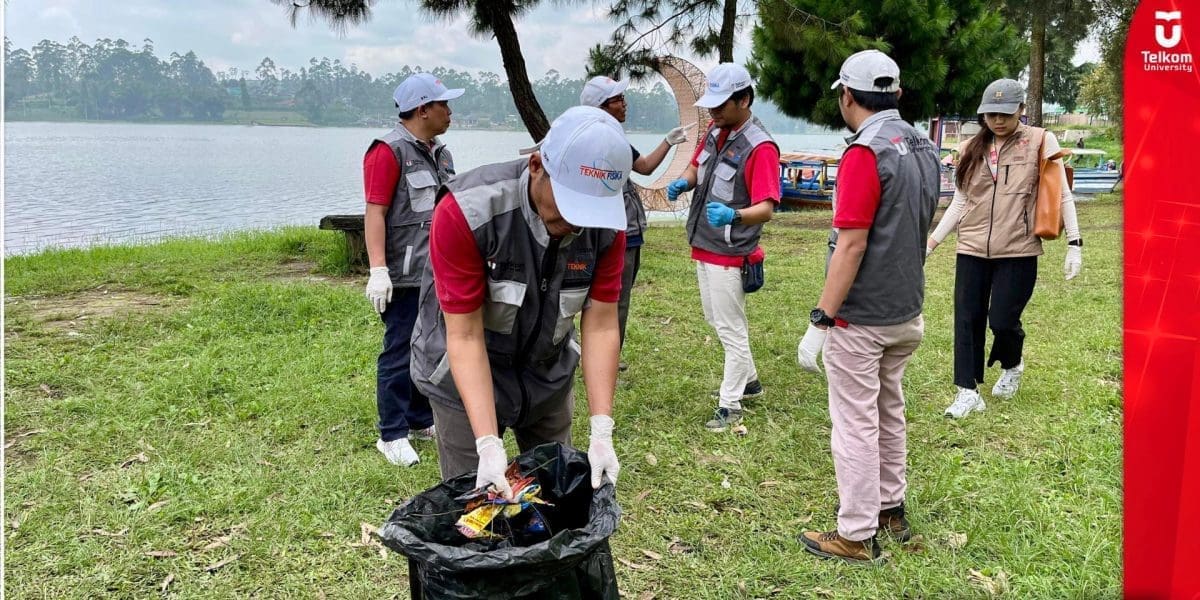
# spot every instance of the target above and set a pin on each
(735, 171)
(517, 251)
(401, 173)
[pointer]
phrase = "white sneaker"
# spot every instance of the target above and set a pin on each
(1010, 380)
(965, 403)
(398, 452)
(423, 435)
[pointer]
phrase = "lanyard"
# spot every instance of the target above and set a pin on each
(994, 161)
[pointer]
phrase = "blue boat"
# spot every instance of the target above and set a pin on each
(1094, 174)
(808, 179)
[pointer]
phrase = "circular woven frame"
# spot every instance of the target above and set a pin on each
(687, 82)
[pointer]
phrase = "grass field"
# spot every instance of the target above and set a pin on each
(198, 417)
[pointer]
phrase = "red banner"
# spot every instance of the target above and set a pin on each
(1162, 302)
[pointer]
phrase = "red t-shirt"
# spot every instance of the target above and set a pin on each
(459, 271)
(381, 174)
(857, 189)
(762, 182)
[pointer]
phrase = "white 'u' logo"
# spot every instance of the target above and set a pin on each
(1160, 30)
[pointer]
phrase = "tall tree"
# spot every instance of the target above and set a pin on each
(1063, 77)
(268, 78)
(947, 50)
(650, 28)
(18, 74)
(1112, 28)
(1070, 21)
(488, 18)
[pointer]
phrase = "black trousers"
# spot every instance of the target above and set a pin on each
(989, 291)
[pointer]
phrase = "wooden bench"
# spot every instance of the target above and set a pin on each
(356, 242)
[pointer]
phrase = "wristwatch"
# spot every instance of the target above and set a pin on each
(737, 218)
(818, 317)
(1078, 242)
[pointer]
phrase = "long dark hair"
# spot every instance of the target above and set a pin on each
(972, 155)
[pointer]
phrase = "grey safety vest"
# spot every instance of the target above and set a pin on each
(890, 286)
(635, 214)
(536, 286)
(721, 177)
(422, 172)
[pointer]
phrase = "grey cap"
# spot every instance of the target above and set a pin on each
(1002, 96)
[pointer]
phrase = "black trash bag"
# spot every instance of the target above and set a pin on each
(573, 563)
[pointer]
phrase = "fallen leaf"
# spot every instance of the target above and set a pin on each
(15, 524)
(725, 483)
(46, 388)
(221, 563)
(326, 534)
(995, 585)
(217, 543)
(698, 505)
(10, 444)
(166, 583)
(104, 533)
(740, 430)
(914, 545)
(643, 495)
(265, 463)
(157, 505)
(956, 540)
(826, 592)
(30, 432)
(633, 565)
(161, 554)
(84, 477)
(139, 457)
(769, 484)
(742, 587)
(648, 595)
(667, 321)
(651, 459)
(680, 547)
(365, 530)
(652, 555)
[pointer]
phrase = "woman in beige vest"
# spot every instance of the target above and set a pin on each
(993, 213)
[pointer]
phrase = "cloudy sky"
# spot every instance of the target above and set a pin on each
(239, 33)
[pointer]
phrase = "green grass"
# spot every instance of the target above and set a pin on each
(243, 371)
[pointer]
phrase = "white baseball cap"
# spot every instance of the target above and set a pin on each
(723, 81)
(587, 157)
(860, 71)
(599, 89)
(420, 89)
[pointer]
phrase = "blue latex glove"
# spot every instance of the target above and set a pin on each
(719, 215)
(675, 188)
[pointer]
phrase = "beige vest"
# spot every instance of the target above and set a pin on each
(997, 221)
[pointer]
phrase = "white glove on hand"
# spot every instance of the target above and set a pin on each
(492, 463)
(678, 135)
(379, 288)
(1073, 263)
(600, 451)
(810, 348)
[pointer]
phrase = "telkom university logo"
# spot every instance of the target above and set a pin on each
(1162, 18)
(1168, 32)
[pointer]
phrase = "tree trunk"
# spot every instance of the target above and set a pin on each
(518, 79)
(1037, 67)
(728, 23)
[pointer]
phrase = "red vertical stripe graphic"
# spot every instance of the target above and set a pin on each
(1162, 302)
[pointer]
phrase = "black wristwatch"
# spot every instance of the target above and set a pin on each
(1078, 242)
(818, 317)
(737, 218)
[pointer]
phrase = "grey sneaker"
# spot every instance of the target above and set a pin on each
(965, 403)
(1010, 380)
(753, 390)
(723, 419)
(398, 452)
(423, 435)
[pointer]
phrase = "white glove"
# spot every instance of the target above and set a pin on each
(492, 463)
(379, 288)
(1073, 263)
(810, 348)
(678, 135)
(600, 451)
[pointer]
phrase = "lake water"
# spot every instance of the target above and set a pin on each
(81, 184)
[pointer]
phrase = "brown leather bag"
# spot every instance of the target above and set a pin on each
(1048, 221)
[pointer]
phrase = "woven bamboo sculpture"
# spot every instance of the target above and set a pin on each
(687, 82)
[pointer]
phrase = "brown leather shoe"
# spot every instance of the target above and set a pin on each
(832, 545)
(892, 521)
